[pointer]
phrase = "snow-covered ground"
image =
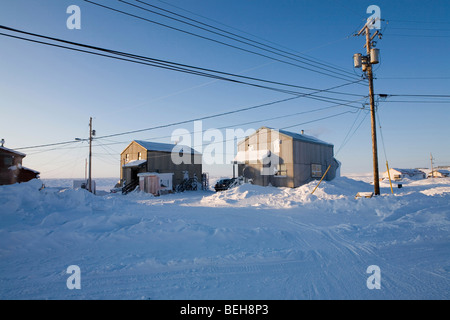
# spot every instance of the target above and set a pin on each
(246, 243)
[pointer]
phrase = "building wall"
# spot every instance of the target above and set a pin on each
(161, 162)
(7, 160)
(158, 162)
(132, 151)
(307, 154)
(296, 157)
(282, 152)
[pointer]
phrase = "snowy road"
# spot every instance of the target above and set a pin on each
(246, 243)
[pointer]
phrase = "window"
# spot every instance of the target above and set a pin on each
(316, 171)
(281, 170)
(8, 161)
(139, 156)
(127, 157)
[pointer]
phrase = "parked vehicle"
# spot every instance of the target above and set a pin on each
(224, 184)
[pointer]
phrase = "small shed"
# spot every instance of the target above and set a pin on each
(398, 174)
(156, 183)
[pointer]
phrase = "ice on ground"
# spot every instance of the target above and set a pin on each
(250, 242)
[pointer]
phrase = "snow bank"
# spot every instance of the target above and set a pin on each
(248, 195)
(246, 243)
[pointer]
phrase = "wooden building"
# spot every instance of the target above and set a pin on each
(284, 159)
(398, 174)
(11, 169)
(439, 173)
(150, 157)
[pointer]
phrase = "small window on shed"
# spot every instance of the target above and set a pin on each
(316, 171)
(139, 155)
(127, 158)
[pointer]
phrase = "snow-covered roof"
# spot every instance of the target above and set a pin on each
(150, 174)
(20, 167)
(28, 169)
(13, 151)
(408, 171)
(298, 136)
(136, 163)
(442, 171)
(304, 137)
(165, 147)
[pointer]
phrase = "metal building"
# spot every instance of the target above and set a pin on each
(284, 159)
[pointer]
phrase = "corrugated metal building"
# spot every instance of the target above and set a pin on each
(284, 159)
(152, 157)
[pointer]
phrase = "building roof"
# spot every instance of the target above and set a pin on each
(442, 171)
(136, 163)
(304, 137)
(165, 147)
(12, 151)
(297, 136)
(409, 171)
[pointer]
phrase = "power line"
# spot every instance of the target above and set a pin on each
(417, 95)
(251, 122)
(349, 137)
(210, 116)
(225, 127)
(214, 40)
(419, 21)
(47, 145)
(163, 63)
(417, 35)
(413, 78)
(260, 38)
(233, 36)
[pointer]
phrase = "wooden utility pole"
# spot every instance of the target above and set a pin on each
(431, 158)
(376, 177)
(366, 63)
(90, 156)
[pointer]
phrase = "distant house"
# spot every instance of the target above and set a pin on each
(399, 174)
(142, 160)
(439, 173)
(11, 169)
(284, 159)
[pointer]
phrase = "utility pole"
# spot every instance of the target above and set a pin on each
(366, 63)
(90, 156)
(431, 158)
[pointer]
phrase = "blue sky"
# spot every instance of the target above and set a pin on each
(48, 94)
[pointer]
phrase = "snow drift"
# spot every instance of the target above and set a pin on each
(250, 242)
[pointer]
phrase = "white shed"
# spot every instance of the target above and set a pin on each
(155, 183)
